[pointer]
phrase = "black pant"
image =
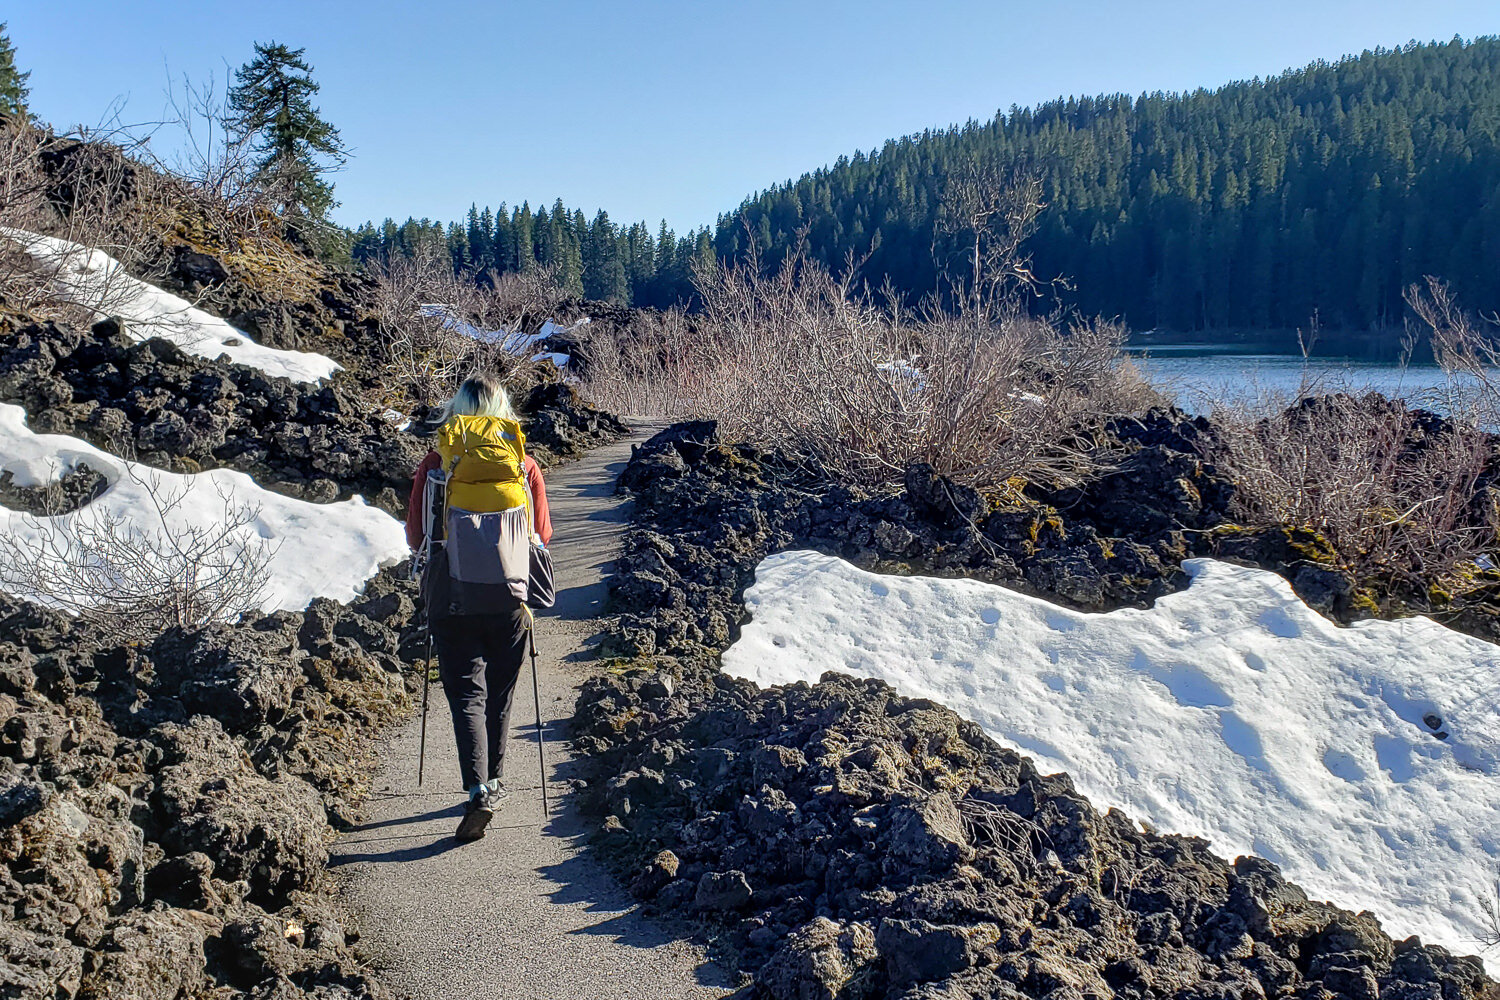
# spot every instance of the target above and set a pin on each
(479, 658)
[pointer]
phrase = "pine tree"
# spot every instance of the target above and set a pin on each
(523, 224)
(569, 258)
(458, 249)
(365, 247)
(541, 238)
(271, 104)
(13, 90)
(477, 233)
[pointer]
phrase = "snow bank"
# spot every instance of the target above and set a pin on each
(322, 550)
(94, 279)
(512, 342)
(1364, 761)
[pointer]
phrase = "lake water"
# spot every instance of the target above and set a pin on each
(1202, 374)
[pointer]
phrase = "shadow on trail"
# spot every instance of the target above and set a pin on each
(448, 810)
(581, 880)
(590, 651)
(606, 488)
(556, 731)
(575, 604)
(417, 852)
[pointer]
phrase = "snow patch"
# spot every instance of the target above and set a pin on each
(322, 550)
(510, 341)
(1365, 761)
(95, 280)
(903, 375)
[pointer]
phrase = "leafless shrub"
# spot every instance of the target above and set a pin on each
(1464, 347)
(23, 205)
(417, 347)
(210, 158)
(1400, 496)
(987, 213)
(645, 370)
(1396, 497)
(131, 578)
(798, 355)
(520, 299)
(23, 186)
(1489, 907)
(438, 327)
(991, 824)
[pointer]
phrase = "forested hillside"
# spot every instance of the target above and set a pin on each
(1325, 190)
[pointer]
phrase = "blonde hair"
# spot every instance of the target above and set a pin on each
(480, 396)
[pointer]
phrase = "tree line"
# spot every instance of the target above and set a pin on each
(590, 258)
(1322, 192)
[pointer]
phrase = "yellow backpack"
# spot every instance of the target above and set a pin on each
(484, 458)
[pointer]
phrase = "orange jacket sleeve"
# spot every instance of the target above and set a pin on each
(414, 532)
(542, 515)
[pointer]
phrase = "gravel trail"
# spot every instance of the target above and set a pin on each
(525, 912)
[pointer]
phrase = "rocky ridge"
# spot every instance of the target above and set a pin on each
(709, 510)
(153, 402)
(844, 842)
(166, 809)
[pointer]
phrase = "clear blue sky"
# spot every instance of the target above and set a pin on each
(677, 110)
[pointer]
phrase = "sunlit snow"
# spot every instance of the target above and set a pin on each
(320, 550)
(95, 280)
(1365, 761)
(510, 341)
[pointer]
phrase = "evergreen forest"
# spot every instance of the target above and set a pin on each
(1322, 192)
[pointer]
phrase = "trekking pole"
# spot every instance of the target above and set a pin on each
(536, 697)
(435, 486)
(426, 684)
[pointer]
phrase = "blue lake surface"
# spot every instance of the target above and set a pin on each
(1200, 375)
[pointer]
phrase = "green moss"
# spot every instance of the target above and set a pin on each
(1009, 495)
(1301, 543)
(1310, 545)
(622, 665)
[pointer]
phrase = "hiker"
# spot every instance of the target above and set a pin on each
(479, 629)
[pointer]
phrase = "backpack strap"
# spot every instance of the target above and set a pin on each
(530, 501)
(448, 472)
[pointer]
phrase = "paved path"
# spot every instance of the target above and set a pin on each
(523, 912)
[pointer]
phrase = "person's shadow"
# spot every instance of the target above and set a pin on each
(415, 852)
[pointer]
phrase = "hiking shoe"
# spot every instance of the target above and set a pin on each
(498, 792)
(478, 812)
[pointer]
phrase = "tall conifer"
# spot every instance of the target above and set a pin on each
(271, 104)
(13, 89)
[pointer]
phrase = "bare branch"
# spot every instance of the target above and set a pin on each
(131, 578)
